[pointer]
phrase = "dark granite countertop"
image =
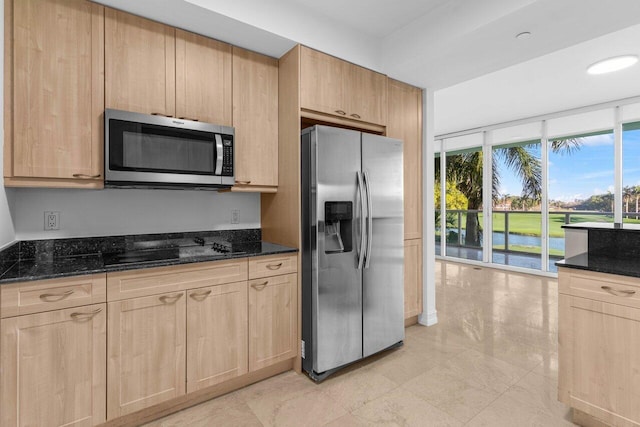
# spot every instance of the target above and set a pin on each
(603, 264)
(47, 259)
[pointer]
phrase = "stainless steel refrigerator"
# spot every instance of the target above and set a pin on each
(352, 247)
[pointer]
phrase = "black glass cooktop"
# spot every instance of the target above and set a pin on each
(154, 255)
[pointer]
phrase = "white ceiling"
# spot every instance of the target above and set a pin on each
(437, 44)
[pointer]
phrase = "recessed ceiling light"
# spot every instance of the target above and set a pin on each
(612, 64)
(523, 35)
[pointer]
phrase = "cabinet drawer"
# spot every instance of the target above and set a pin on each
(600, 287)
(273, 265)
(45, 295)
(151, 281)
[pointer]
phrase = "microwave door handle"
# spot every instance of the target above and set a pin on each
(219, 154)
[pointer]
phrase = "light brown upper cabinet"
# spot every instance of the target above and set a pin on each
(140, 64)
(203, 79)
(255, 118)
(405, 123)
(156, 69)
(332, 86)
(54, 93)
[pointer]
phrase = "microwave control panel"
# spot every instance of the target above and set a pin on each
(227, 155)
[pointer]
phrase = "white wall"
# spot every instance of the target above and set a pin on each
(125, 211)
(7, 234)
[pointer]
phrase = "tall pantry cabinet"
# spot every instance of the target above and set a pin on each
(405, 123)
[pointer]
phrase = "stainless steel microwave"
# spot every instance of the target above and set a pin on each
(149, 151)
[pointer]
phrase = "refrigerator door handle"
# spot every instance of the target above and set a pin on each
(362, 221)
(369, 220)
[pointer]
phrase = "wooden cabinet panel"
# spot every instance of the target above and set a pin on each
(255, 118)
(273, 319)
(151, 281)
(405, 123)
(46, 295)
(53, 368)
(332, 86)
(365, 93)
(272, 265)
(55, 90)
(599, 371)
(321, 82)
(217, 335)
(140, 64)
(600, 286)
(203, 79)
(412, 277)
(146, 352)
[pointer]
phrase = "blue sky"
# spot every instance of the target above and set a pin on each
(585, 172)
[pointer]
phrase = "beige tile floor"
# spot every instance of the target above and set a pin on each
(490, 361)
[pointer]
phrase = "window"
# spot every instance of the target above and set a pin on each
(631, 173)
(581, 185)
(516, 205)
(463, 210)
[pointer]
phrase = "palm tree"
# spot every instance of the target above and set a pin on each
(465, 170)
(627, 192)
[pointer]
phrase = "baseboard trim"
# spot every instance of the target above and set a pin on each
(428, 319)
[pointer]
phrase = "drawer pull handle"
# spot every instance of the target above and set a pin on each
(356, 116)
(85, 316)
(85, 176)
(243, 182)
(161, 114)
(259, 286)
(274, 266)
(55, 297)
(170, 299)
(200, 296)
(342, 113)
(618, 292)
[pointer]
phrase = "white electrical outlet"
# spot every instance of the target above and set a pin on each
(51, 220)
(235, 216)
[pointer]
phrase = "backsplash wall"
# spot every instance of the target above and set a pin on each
(128, 211)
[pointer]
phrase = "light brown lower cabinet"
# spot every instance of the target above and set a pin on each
(217, 335)
(273, 320)
(599, 346)
(146, 352)
(412, 277)
(53, 368)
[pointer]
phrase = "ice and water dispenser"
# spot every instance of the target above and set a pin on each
(338, 222)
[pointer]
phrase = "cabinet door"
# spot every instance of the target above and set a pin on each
(203, 79)
(58, 88)
(255, 117)
(217, 336)
(140, 64)
(405, 123)
(146, 350)
(53, 368)
(365, 93)
(273, 320)
(321, 82)
(412, 277)
(599, 357)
